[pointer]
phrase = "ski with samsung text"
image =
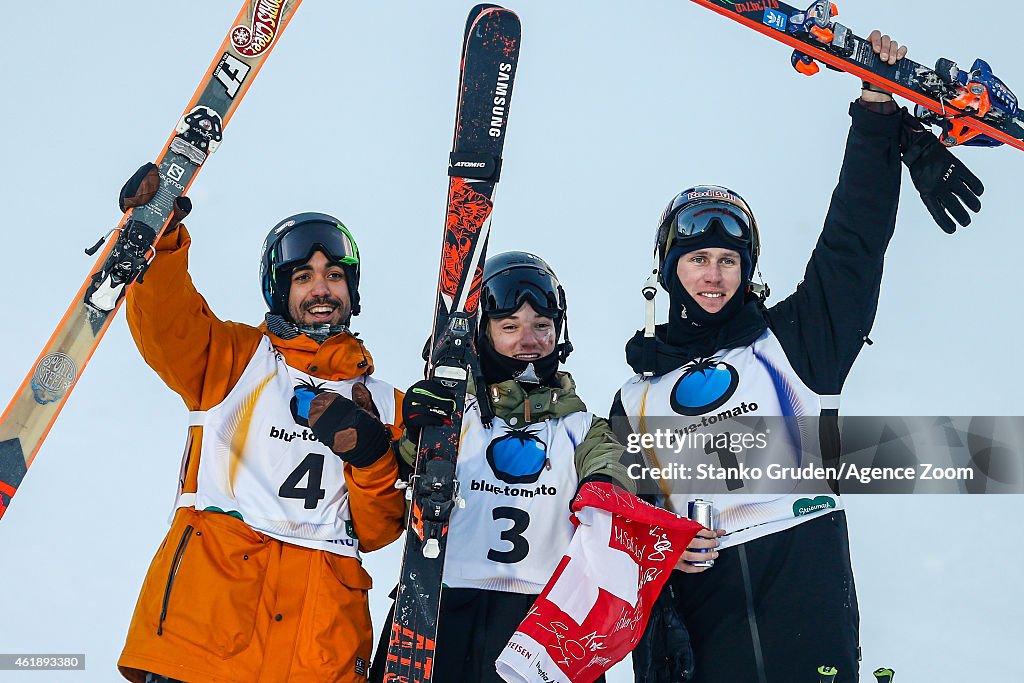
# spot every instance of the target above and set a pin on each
(489, 59)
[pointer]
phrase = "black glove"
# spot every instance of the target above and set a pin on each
(352, 429)
(664, 653)
(141, 188)
(427, 403)
(942, 179)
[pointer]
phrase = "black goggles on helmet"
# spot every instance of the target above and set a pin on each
(333, 239)
(504, 293)
(692, 223)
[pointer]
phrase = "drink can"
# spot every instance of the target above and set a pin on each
(702, 512)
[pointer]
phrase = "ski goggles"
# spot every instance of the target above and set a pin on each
(299, 243)
(503, 294)
(695, 221)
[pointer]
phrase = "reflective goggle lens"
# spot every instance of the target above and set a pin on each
(696, 220)
(505, 293)
(297, 244)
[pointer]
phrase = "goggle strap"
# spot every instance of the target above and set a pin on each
(354, 259)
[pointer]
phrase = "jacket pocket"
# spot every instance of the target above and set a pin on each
(341, 616)
(171, 574)
(214, 585)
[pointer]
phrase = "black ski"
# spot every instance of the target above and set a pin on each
(489, 58)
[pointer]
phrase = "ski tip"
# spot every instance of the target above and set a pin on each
(482, 10)
(474, 14)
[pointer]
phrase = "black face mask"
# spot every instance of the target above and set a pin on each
(687, 319)
(499, 368)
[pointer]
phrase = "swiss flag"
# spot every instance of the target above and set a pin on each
(595, 607)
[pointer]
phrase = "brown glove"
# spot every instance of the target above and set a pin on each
(142, 187)
(350, 428)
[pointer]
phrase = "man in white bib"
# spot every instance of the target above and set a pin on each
(288, 473)
(780, 600)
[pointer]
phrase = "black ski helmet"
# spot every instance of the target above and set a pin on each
(696, 211)
(292, 242)
(514, 277)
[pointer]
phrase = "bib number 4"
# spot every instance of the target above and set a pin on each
(312, 470)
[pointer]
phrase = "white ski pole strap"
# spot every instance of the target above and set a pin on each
(196, 418)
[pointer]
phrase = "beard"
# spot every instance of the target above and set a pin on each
(340, 316)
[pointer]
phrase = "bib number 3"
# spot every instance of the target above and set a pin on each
(520, 546)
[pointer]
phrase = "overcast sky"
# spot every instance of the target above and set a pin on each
(617, 106)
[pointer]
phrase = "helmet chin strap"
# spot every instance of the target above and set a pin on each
(564, 348)
(760, 289)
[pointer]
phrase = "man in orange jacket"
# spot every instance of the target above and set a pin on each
(287, 475)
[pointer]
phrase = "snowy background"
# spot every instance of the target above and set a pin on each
(617, 107)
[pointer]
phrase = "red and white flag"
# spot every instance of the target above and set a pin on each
(595, 607)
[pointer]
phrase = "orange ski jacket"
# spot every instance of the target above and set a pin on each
(222, 602)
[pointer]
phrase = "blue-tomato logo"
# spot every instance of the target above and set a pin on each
(705, 384)
(304, 394)
(518, 457)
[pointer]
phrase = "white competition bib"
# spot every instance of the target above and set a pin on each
(261, 463)
(747, 381)
(517, 484)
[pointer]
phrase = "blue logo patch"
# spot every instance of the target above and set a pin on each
(775, 19)
(518, 457)
(304, 394)
(705, 384)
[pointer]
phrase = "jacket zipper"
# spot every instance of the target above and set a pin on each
(179, 552)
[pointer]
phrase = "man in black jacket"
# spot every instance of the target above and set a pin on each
(780, 599)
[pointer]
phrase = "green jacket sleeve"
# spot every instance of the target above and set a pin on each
(407, 450)
(600, 453)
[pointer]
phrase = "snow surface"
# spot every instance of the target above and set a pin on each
(617, 107)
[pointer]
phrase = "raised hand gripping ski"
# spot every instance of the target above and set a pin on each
(490, 56)
(39, 399)
(972, 107)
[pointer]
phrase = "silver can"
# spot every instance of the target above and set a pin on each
(702, 512)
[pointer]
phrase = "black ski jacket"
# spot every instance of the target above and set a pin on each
(823, 325)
